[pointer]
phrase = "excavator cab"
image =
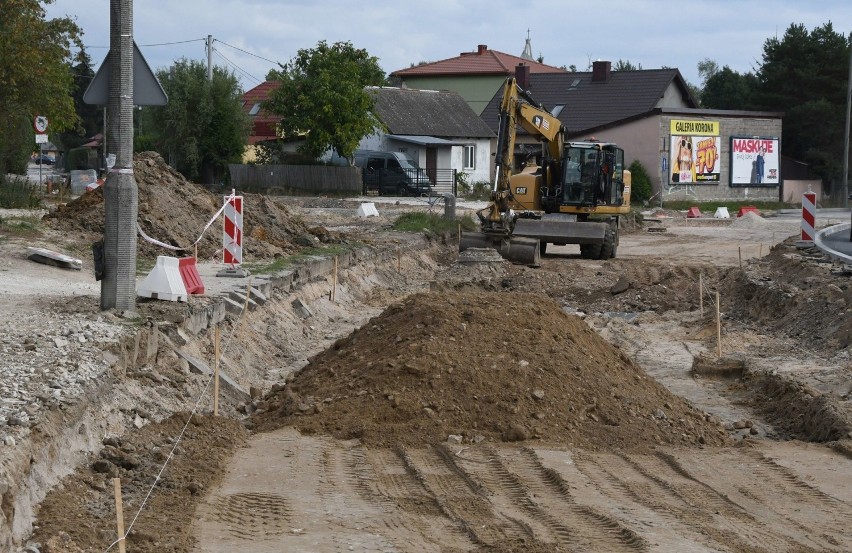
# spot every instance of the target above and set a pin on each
(592, 174)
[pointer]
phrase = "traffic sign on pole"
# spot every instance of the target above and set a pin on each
(40, 124)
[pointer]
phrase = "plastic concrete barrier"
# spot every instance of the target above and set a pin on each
(747, 208)
(189, 273)
(693, 213)
(722, 213)
(164, 282)
(367, 209)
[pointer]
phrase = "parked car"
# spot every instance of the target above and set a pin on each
(392, 173)
(44, 159)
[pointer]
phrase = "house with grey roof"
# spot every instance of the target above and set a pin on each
(436, 129)
(649, 113)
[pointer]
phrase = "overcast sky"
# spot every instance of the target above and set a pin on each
(252, 35)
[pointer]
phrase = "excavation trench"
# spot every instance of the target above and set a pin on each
(150, 380)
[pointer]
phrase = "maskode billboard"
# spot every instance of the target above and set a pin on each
(754, 161)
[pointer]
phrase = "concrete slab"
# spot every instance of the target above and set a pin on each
(227, 384)
(56, 259)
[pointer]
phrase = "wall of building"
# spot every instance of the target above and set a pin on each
(477, 91)
(729, 126)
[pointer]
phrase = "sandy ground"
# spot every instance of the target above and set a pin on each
(343, 496)
(780, 484)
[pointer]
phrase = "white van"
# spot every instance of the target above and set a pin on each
(392, 173)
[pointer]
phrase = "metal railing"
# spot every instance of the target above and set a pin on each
(408, 182)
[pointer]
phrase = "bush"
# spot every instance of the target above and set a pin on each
(18, 194)
(641, 188)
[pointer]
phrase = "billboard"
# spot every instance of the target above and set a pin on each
(695, 149)
(755, 161)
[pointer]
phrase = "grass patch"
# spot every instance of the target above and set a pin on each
(18, 193)
(281, 263)
(21, 227)
(733, 206)
(418, 222)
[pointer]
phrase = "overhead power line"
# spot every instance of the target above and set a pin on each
(247, 52)
(237, 67)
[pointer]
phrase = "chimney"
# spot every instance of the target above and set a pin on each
(481, 49)
(600, 71)
(522, 76)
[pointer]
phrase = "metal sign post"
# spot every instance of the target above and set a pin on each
(40, 125)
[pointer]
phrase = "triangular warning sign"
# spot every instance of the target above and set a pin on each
(147, 90)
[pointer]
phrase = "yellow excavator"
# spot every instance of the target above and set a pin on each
(575, 195)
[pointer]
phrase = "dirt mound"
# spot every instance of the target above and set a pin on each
(749, 219)
(462, 364)
(175, 211)
(795, 293)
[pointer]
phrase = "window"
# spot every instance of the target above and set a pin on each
(470, 157)
(255, 109)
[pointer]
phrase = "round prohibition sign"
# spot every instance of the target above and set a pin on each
(40, 124)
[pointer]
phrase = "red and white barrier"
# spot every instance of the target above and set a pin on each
(232, 237)
(189, 273)
(164, 282)
(808, 216)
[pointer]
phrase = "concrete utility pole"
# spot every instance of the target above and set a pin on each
(209, 58)
(121, 196)
(846, 136)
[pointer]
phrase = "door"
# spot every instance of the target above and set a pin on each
(431, 164)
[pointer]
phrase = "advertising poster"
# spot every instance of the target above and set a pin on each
(755, 161)
(695, 149)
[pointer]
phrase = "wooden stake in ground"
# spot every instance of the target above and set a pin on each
(718, 328)
(398, 261)
(217, 353)
(760, 251)
(740, 252)
(119, 514)
(701, 293)
(334, 282)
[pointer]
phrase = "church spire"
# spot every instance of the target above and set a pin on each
(527, 55)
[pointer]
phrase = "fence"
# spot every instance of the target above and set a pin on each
(296, 178)
(318, 179)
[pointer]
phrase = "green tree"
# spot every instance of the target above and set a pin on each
(640, 189)
(626, 65)
(322, 98)
(706, 69)
(35, 77)
(727, 89)
(804, 75)
(90, 116)
(203, 127)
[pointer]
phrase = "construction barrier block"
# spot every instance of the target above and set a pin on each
(722, 213)
(367, 209)
(191, 279)
(164, 282)
(746, 208)
(693, 213)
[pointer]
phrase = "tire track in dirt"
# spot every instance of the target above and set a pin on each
(676, 480)
(253, 515)
(462, 499)
(546, 500)
(626, 480)
(782, 499)
(412, 512)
